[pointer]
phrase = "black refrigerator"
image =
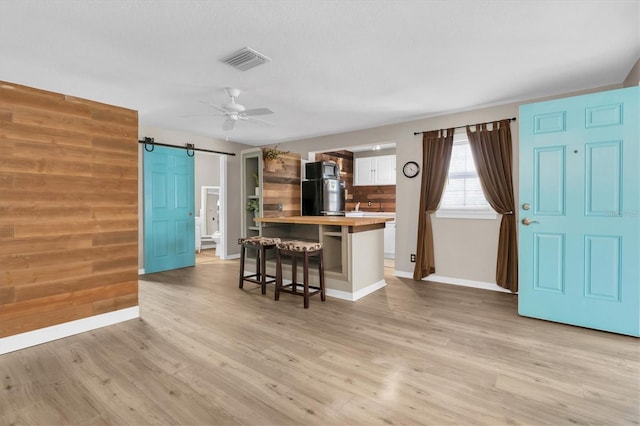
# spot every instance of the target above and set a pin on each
(323, 197)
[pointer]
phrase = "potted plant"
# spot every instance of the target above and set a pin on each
(256, 178)
(273, 160)
(253, 206)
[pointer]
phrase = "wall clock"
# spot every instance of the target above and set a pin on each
(411, 169)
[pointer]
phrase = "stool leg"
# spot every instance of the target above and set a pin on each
(321, 274)
(263, 268)
(258, 271)
(294, 272)
(278, 274)
(241, 265)
(306, 280)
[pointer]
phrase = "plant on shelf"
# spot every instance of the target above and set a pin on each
(273, 160)
(253, 206)
(257, 179)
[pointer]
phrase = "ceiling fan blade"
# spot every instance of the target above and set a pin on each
(214, 106)
(228, 124)
(258, 111)
(260, 122)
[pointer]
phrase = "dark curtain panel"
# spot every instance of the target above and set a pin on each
(492, 155)
(436, 154)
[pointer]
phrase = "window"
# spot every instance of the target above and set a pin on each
(463, 197)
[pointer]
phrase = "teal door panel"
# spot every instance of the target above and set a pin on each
(580, 188)
(168, 209)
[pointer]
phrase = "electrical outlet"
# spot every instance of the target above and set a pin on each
(369, 203)
(413, 258)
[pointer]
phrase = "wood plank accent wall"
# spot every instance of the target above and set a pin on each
(382, 197)
(379, 195)
(282, 186)
(68, 208)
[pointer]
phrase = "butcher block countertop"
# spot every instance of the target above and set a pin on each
(326, 220)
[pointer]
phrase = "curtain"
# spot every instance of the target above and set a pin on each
(436, 154)
(492, 155)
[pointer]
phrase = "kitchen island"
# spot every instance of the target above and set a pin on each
(353, 250)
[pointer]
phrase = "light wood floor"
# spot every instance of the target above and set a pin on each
(205, 352)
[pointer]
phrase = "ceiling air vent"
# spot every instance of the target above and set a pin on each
(245, 58)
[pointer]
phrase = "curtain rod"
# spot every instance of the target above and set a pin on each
(188, 146)
(462, 127)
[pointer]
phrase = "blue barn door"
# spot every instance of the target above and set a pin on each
(168, 209)
(579, 211)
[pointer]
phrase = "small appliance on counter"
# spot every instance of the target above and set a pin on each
(323, 194)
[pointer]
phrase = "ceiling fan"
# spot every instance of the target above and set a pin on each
(233, 111)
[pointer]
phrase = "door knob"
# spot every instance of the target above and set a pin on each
(526, 221)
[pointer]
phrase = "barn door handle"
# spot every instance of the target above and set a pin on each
(526, 221)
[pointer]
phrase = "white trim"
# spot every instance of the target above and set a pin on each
(221, 249)
(402, 274)
(466, 214)
(231, 256)
(455, 281)
(58, 331)
(141, 271)
(352, 297)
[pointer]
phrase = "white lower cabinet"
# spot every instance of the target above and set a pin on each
(390, 240)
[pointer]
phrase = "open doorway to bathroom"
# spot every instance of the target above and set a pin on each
(210, 204)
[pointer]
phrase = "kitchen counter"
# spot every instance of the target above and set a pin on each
(327, 220)
(353, 250)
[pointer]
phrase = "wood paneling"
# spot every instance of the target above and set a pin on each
(68, 208)
(382, 197)
(282, 187)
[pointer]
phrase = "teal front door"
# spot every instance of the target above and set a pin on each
(580, 212)
(168, 209)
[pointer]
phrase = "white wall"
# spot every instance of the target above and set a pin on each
(177, 138)
(464, 248)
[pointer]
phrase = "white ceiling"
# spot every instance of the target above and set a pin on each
(337, 65)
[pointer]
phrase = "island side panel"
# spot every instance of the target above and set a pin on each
(366, 254)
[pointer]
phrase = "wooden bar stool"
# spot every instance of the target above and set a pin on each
(261, 245)
(295, 250)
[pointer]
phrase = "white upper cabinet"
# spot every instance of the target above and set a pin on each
(375, 170)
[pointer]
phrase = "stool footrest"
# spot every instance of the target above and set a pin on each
(254, 278)
(288, 288)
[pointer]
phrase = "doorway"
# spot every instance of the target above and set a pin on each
(210, 195)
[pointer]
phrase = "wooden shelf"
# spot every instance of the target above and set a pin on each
(333, 234)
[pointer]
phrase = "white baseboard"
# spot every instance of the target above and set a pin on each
(352, 297)
(402, 274)
(58, 331)
(231, 256)
(454, 281)
(141, 271)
